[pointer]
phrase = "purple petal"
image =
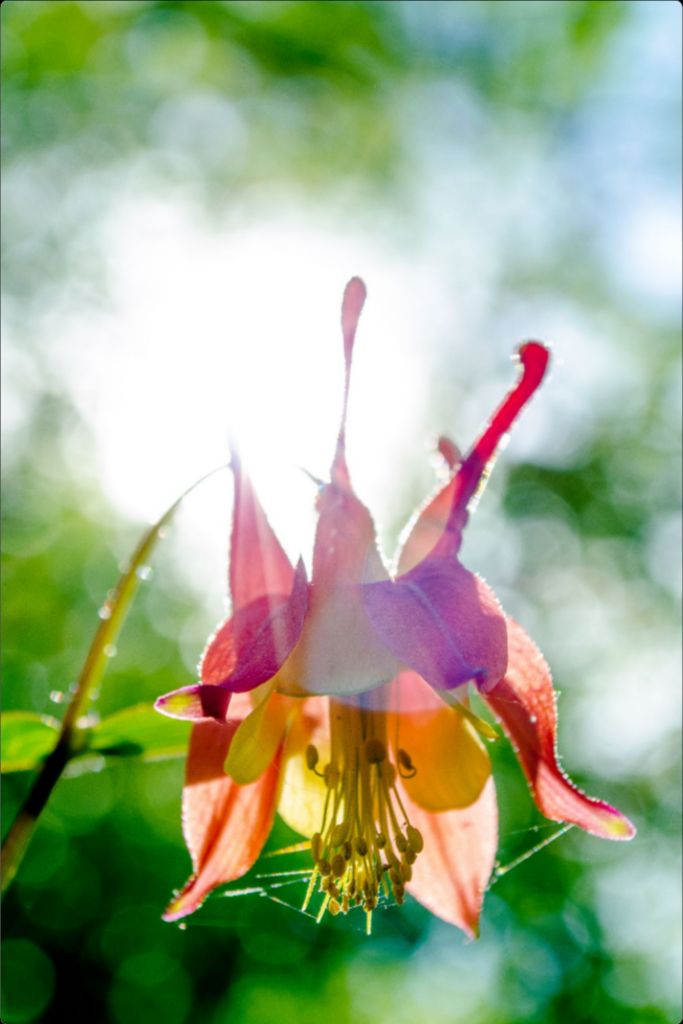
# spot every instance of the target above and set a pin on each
(265, 642)
(442, 621)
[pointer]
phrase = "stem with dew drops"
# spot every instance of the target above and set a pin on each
(72, 737)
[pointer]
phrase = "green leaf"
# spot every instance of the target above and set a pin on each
(27, 738)
(140, 731)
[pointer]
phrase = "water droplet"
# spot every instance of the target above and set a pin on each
(88, 721)
(143, 572)
(162, 532)
(533, 718)
(182, 927)
(105, 611)
(109, 651)
(56, 696)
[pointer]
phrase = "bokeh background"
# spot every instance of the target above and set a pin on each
(187, 186)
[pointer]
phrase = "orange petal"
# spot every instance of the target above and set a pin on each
(451, 873)
(525, 703)
(452, 764)
(225, 825)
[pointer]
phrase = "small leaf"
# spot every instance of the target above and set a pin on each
(27, 738)
(140, 731)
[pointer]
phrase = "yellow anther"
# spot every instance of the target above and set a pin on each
(380, 840)
(415, 840)
(324, 867)
(396, 877)
(338, 865)
(361, 846)
(316, 846)
(401, 842)
(333, 890)
(409, 856)
(407, 872)
(333, 907)
(331, 776)
(312, 756)
(339, 833)
(375, 751)
(345, 904)
(348, 850)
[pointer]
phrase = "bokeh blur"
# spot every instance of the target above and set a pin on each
(187, 187)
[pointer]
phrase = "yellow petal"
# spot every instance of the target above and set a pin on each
(257, 739)
(451, 763)
(303, 793)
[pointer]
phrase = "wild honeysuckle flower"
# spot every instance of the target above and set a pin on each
(342, 702)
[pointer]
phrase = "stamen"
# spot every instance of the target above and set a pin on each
(312, 756)
(415, 840)
(375, 751)
(406, 768)
(366, 845)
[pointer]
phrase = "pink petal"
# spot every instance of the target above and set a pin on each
(525, 703)
(533, 358)
(427, 527)
(250, 647)
(451, 873)
(258, 564)
(438, 618)
(225, 825)
(442, 621)
(352, 306)
(339, 652)
(446, 525)
(195, 702)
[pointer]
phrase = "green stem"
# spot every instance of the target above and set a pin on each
(73, 733)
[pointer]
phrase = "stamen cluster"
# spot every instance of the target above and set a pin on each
(365, 845)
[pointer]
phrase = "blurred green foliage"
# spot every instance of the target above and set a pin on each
(212, 99)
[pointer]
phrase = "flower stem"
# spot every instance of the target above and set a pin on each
(74, 730)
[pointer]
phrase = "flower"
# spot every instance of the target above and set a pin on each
(342, 702)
